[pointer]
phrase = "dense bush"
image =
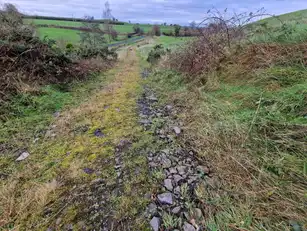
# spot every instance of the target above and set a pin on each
(169, 33)
(155, 54)
(177, 30)
(28, 61)
(114, 34)
(156, 31)
(11, 27)
(103, 52)
(136, 28)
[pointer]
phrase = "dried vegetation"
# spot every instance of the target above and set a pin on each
(250, 120)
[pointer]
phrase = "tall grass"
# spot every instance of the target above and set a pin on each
(245, 111)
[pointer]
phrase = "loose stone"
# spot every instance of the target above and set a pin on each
(177, 178)
(188, 227)
(177, 130)
(155, 223)
(168, 184)
(176, 210)
(152, 209)
(166, 198)
(23, 156)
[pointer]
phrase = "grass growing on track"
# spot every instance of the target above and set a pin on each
(52, 178)
(28, 119)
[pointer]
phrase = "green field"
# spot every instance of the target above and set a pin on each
(67, 35)
(72, 36)
(168, 41)
(127, 28)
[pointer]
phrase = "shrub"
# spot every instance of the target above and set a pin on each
(169, 33)
(177, 30)
(28, 61)
(11, 26)
(69, 48)
(114, 34)
(95, 38)
(103, 52)
(155, 54)
(156, 30)
(136, 28)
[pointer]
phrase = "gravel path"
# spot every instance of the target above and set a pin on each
(176, 205)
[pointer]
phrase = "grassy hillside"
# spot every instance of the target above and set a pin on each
(299, 17)
(286, 28)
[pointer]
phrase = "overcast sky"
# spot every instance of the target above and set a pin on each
(152, 11)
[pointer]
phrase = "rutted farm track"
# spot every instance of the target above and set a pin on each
(113, 163)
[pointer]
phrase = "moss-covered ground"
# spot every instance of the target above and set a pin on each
(45, 190)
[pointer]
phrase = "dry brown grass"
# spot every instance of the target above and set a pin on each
(264, 55)
(246, 186)
(14, 202)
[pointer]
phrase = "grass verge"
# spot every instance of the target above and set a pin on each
(253, 131)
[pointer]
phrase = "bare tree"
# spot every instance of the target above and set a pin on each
(107, 15)
(193, 24)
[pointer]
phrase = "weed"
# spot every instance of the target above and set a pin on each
(184, 190)
(158, 175)
(170, 221)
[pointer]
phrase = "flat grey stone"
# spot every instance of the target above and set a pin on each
(188, 227)
(152, 98)
(89, 171)
(152, 209)
(168, 184)
(166, 151)
(155, 223)
(177, 190)
(23, 156)
(56, 114)
(145, 121)
(182, 169)
(192, 179)
(173, 170)
(152, 164)
(198, 214)
(166, 198)
(99, 133)
(176, 210)
(177, 178)
(58, 221)
(169, 107)
(177, 130)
